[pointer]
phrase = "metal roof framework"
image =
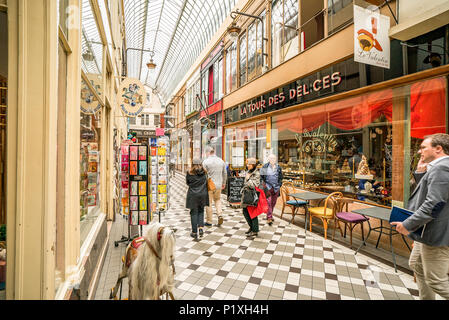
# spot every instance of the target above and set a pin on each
(176, 31)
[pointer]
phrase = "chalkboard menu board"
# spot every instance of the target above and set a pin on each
(235, 186)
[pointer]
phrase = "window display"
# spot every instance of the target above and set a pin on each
(89, 170)
(356, 146)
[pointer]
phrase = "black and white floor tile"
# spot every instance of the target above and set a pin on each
(283, 262)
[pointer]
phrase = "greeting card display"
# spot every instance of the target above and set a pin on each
(138, 177)
(124, 176)
(159, 174)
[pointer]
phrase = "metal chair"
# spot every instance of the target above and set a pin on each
(326, 212)
(288, 201)
(342, 214)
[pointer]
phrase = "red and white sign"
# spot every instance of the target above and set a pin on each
(371, 41)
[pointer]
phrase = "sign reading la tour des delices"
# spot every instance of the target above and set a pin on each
(131, 97)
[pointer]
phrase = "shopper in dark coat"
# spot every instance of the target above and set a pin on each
(197, 197)
(252, 180)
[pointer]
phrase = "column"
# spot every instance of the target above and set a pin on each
(31, 172)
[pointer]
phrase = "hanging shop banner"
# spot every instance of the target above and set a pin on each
(89, 102)
(131, 97)
(371, 41)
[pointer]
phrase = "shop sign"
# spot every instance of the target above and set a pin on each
(371, 41)
(212, 109)
(144, 133)
(89, 102)
(297, 91)
(216, 50)
(131, 97)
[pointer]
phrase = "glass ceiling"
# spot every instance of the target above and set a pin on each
(176, 31)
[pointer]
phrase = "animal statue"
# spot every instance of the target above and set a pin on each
(149, 265)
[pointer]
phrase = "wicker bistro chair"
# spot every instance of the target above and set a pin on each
(326, 212)
(342, 214)
(288, 201)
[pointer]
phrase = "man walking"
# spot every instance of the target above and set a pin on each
(271, 175)
(216, 170)
(429, 202)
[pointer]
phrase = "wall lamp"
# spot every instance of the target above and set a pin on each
(150, 65)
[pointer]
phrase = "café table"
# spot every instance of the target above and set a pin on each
(383, 214)
(308, 196)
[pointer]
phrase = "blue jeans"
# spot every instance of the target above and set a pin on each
(197, 218)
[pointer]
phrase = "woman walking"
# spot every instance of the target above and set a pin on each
(252, 180)
(197, 197)
(271, 175)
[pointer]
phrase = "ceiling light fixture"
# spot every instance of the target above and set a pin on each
(88, 56)
(151, 65)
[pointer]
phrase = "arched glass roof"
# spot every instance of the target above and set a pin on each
(176, 31)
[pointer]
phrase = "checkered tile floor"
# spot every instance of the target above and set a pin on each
(283, 262)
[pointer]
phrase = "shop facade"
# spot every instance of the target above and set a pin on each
(61, 129)
(322, 125)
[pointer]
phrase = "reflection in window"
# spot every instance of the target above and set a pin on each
(89, 171)
(231, 68)
(242, 52)
(252, 50)
(312, 19)
(284, 23)
(323, 148)
(339, 13)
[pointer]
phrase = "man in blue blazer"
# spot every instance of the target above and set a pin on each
(430, 203)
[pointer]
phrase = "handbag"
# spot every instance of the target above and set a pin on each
(249, 197)
(210, 185)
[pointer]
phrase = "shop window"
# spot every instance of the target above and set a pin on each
(89, 171)
(312, 22)
(218, 80)
(242, 52)
(63, 16)
(219, 89)
(60, 165)
(428, 114)
(260, 56)
(204, 88)
(284, 24)
(427, 51)
(339, 14)
(323, 148)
